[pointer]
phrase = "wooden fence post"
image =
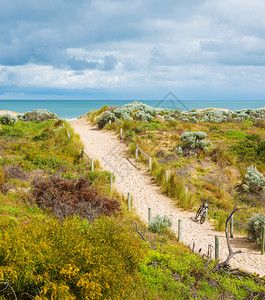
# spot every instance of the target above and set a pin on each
(92, 164)
(136, 151)
(262, 239)
(216, 247)
(179, 230)
(232, 227)
(121, 133)
(166, 176)
(111, 181)
(149, 216)
(129, 201)
(150, 163)
(82, 153)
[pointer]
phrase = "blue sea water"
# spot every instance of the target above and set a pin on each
(69, 109)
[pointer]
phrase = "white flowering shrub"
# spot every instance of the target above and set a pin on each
(254, 226)
(7, 119)
(159, 223)
(255, 180)
(38, 115)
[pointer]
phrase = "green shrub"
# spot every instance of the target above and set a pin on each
(246, 150)
(255, 180)
(159, 224)
(236, 134)
(7, 119)
(254, 226)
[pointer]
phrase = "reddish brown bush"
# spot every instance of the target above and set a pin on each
(259, 123)
(65, 198)
(16, 172)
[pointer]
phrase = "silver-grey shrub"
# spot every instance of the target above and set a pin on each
(220, 116)
(159, 224)
(254, 226)
(105, 118)
(192, 140)
(131, 111)
(255, 180)
(37, 115)
(8, 119)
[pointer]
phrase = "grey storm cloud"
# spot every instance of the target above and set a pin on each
(109, 63)
(82, 64)
(34, 31)
(141, 41)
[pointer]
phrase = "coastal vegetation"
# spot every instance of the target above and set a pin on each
(213, 154)
(66, 235)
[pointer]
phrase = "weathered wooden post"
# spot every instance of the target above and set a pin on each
(179, 230)
(149, 216)
(262, 239)
(129, 201)
(136, 151)
(166, 176)
(150, 163)
(121, 133)
(82, 153)
(216, 247)
(68, 135)
(186, 191)
(232, 227)
(92, 164)
(111, 181)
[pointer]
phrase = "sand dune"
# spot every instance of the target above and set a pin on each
(111, 152)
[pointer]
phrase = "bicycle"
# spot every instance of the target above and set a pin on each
(202, 211)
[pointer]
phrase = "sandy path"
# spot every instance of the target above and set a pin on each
(111, 152)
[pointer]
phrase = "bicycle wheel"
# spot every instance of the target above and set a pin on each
(203, 217)
(198, 213)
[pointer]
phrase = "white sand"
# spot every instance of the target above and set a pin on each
(12, 113)
(111, 152)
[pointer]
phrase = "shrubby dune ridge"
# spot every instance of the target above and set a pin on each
(65, 234)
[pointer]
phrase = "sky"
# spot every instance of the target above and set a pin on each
(137, 49)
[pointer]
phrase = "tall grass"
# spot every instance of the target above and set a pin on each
(174, 186)
(95, 113)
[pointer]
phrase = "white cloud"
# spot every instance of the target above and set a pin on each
(133, 44)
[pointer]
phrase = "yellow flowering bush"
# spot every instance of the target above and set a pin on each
(69, 259)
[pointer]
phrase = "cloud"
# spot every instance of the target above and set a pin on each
(81, 64)
(109, 63)
(137, 44)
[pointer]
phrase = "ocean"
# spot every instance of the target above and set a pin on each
(70, 109)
